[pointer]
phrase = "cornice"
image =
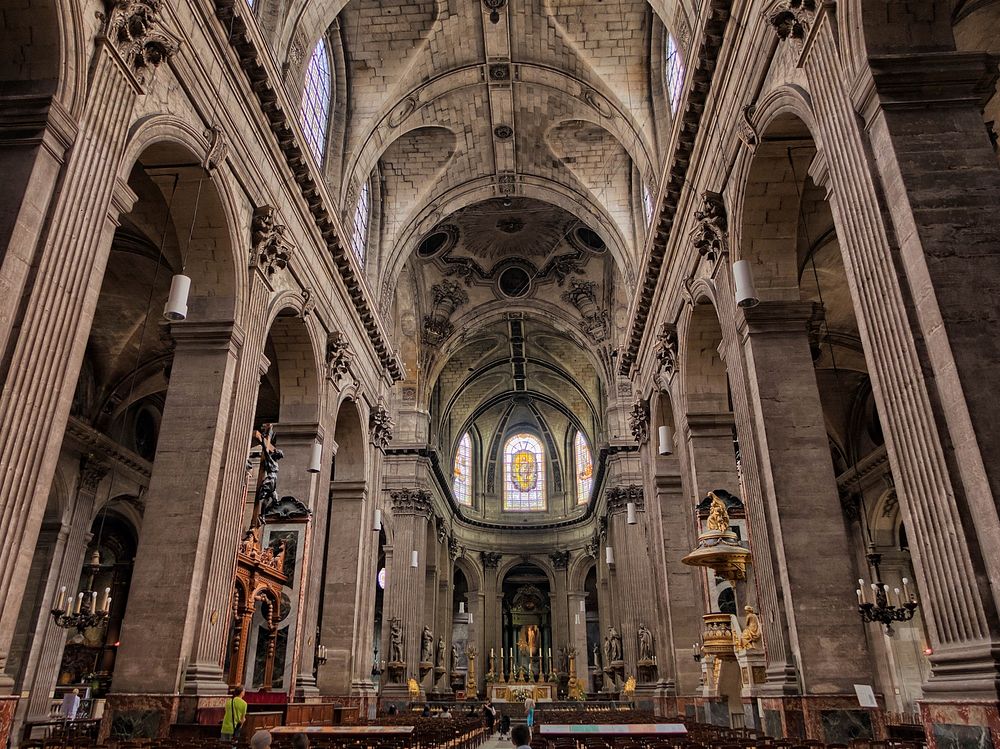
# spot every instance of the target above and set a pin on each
(716, 17)
(313, 192)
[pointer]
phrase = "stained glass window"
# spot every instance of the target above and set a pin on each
(584, 469)
(524, 474)
(316, 100)
(362, 213)
(461, 484)
(674, 72)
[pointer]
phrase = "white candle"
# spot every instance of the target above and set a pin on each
(898, 601)
(61, 601)
(107, 595)
(93, 602)
(860, 599)
(906, 591)
(107, 605)
(79, 602)
(491, 653)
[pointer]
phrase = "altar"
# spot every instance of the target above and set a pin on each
(519, 692)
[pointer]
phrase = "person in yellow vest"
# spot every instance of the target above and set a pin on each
(233, 714)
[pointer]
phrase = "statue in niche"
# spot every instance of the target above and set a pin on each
(454, 657)
(439, 655)
(751, 630)
(614, 647)
(395, 641)
(266, 498)
(645, 643)
(597, 656)
(426, 645)
(718, 516)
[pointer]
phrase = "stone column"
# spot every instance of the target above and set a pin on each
(40, 681)
(561, 617)
(171, 569)
(345, 556)
(404, 590)
(45, 359)
(815, 566)
(578, 635)
(492, 610)
(711, 453)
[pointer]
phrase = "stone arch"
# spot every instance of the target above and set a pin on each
(705, 382)
(543, 563)
(294, 368)
(579, 568)
(473, 573)
(352, 439)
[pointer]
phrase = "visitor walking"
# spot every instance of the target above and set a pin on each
(529, 708)
(490, 716)
(234, 712)
(504, 726)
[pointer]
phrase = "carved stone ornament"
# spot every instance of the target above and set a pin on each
(618, 498)
(380, 426)
(287, 508)
(308, 302)
(441, 528)
(665, 349)
(270, 249)
(91, 474)
(490, 559)
(447, 297)
(560, 559)
(791, 19)
(638, 421)
(218, 148)
(593, 547)
(338, 355)
(134, 30)
(494, 6)
(745, 130)
(411, 502)
(583, 295)
(710, 235)
(455, 549)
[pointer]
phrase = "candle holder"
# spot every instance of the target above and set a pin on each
(880, 609)
(85, 614)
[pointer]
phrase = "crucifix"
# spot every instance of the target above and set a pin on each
(266, 496)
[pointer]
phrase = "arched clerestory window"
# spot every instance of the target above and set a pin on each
(673, 72)
(362, 219)
(316, 98)
(584, 466)
(524, 474)
(461, 483)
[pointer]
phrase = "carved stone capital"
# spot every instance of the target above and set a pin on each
(135, 31)
(92, 472)
(411, 502)
(560, 559)
(490, 559)
(582, 294)
(338, 355)
(618, 498)
(455, 549)
(270, 249)
(791, 19)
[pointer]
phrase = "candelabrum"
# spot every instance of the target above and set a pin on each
(81, 612)
(879, 608)
(321, 654)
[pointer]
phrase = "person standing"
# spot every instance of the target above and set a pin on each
(234, 712)
(520, 736)
(71, 705)
(529, 708)
(490, 716)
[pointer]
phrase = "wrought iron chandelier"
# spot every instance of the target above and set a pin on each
(81, 612)
(880, 608)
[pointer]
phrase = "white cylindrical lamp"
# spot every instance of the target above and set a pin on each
(746, 292)
(609, 555)
(631, 516)
(414, 559)
(377, 520)
(176, 307)
(315, 458)
(666, 435)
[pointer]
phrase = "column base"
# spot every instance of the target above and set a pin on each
(205, 679)
(780, 682)
(832, 719)
(306, 689)
(961, 724)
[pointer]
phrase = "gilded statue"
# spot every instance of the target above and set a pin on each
(628, 691)
(413, 688)
(718, 516)
(751, 630)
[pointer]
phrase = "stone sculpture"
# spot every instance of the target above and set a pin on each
(645, 643)
(426, 645)
(395, 641)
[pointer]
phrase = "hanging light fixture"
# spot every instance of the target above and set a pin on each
(414, 559)
(746, 292)
(666, 435)
(583, 607)
(630, 514)
(82, 612)
(609, 555)
(461, 607)
(377, 520)
(315, 458)
(176, 307)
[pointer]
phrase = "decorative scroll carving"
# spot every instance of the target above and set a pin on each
(490, 559)
(583, 295)
(745, 130)
(618, 498)
(135, 31)
(441, 528)
(287, 508)
(593, 547)
(665, 350)
(447, 296)
(455, 549)
(270, 250)
(380, 426)
(560, 559)
(710, 235)
(791, 19)
(338, 355)
(638, 421)
(218, 148)
(411, 502)
(308, 302)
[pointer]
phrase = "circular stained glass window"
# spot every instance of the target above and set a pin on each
(514, 282)
(381, 578)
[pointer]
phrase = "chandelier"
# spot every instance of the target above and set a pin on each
(81, 612)
(881, 608)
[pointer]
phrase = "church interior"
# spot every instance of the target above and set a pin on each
(627, 358)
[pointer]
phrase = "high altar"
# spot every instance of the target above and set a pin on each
(524, 667)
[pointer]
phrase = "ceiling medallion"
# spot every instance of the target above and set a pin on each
(503, 132)
(510, 225)
(494, 6)
(500, 71)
